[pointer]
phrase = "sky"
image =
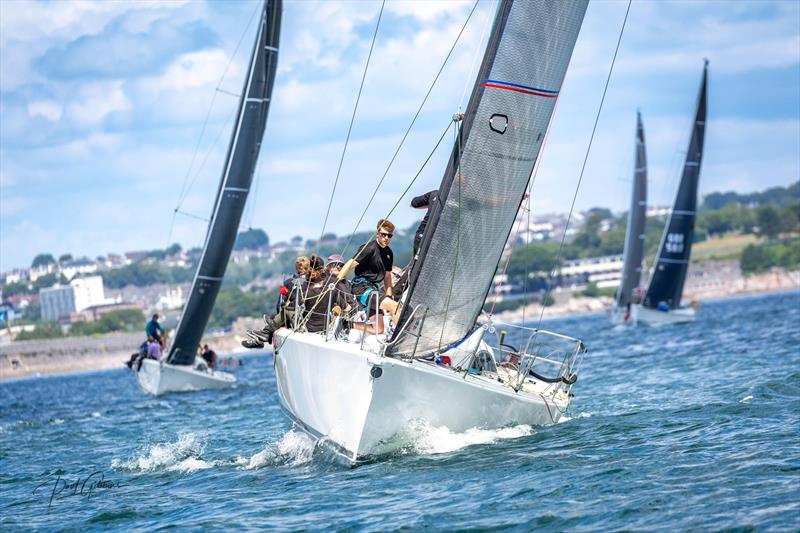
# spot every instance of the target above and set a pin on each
(115, 114)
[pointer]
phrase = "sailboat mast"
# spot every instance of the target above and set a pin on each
(634, 233)
(672, 262)
(237, 176)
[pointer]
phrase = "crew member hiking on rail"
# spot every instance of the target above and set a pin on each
(154, 329)
(423, 201)
(372, 262)
(257, 338)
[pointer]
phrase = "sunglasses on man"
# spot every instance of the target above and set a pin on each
(387, 235)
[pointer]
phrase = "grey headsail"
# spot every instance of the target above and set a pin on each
(234, 185)
(672, 262)
(502, 132)
(634, 234)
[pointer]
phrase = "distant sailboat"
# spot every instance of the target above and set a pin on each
(634, 234)
(662, 301)
(438, 366)
(180, 370)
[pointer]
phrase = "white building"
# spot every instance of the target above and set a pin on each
(88, 292)
(605, 271)
(70, 269)
(60, 300)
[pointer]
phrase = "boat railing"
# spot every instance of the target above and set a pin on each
(535, 353)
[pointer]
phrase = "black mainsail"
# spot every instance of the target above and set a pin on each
(672, 262)
(492, 161)
(634, 234)
(237, 177)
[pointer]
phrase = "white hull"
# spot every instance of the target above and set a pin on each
(157, 377)
(654, 317)
(360, 400)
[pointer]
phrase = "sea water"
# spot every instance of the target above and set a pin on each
(690, 427)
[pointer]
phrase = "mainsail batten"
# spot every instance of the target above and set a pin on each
(634, 236)
(502, 132)
(672, 262)
(234, 186)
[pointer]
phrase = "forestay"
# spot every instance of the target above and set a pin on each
(634, 234)
(236, 179)
(502, 132)
(672, 263)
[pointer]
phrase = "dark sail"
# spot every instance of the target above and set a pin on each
(672, 262)
(234, 185)
(634, 234)
(502, 132)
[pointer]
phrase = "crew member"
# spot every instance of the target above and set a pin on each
(154, 329)
(372, 262)
(423, 201)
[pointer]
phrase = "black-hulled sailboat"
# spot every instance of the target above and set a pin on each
(181, 370)
(439, 366)
(634, 233)
(662, 301)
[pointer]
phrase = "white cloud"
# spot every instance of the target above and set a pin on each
(118, 145)
(45, 108)
(192, 70)
(96, 101)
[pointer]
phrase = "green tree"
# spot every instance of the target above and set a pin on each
(42, 260)
(769, 221)
(63, 258)
(42, 330)
(174, 249)
(32, 312)
(119, 320)
(48, 280)
(12, 289)
(252, 239)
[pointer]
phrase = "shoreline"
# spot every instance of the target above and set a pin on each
(56, 357)
(699, 287)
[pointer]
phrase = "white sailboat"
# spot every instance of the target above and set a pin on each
(662, 301)
(634, 235)
(181, 370)
(439, 365)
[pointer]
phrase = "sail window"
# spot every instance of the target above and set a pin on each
(498, 123)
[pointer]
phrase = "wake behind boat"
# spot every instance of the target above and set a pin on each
(181, 370)
(437, 364)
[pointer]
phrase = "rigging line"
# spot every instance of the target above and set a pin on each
(352, 120)
(184, 190)
(585, 159)
(408, 188)
(190, 215)
(413, 121)
(457, 133)
(252, 199)
(181, 196)
(468, 78)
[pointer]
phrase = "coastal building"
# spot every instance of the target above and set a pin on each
(62, 300)
(70, 269)
(604, 271)
(57, 301)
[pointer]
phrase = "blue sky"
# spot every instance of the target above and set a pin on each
(103, 103)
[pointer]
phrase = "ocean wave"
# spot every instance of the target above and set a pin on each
(422, 438)
(182, 455)
(294, 448)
